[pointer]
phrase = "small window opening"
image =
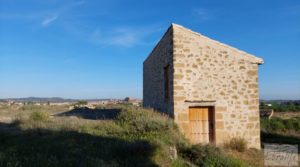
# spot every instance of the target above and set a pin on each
(166, 82)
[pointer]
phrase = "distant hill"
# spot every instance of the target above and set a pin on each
(281, 105)
(281, 101)
(49, 99)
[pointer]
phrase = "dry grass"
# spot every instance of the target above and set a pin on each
(129, 129)
(237, 144)
(286, 115)
(137, 137)
(16, 110)
(252, 157)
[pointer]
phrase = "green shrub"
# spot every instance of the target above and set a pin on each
(208, 155)
(296, 124)
(280, 125)
(199, 153)
(288, 124)
(145, 124)
(264, 123)
(236, 143)
(223, 161)
(81, 103)
(179, 162)
(277, 125)
(143, 121)
(39, 116)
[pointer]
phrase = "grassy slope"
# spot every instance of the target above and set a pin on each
(136, 137)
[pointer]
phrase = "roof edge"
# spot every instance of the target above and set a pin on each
(156, 45)
(254, 58)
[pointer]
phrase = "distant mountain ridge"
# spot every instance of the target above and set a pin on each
(49, 99)
(280, 101)
(60, 100)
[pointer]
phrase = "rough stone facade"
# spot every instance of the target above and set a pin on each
(205, 72)
(153, 75)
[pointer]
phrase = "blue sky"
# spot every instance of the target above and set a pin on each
(95, 49)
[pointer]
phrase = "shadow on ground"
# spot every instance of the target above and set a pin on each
(40, 147)
(4, 125)
(95, 114)
(279, 139)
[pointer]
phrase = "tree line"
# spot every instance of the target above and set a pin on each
(281, 106)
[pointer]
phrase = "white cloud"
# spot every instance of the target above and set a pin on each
(43, 17)
(202, 14)
(74, 22)
(63, 10)
(48, 20)
(125, 37)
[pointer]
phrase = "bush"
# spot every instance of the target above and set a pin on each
(224, 161)
(296, 124)
(236, 143)
(280, 125)
(288, 124)
(143, 121)
(277, 124)
(264, 123)
(208, 155)
(39, 116)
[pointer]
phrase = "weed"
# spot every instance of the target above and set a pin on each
(208, 155)
(236, 143)
(39, 116)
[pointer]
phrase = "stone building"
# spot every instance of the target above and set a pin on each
(209, 88)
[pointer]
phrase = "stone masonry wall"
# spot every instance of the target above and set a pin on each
(153, 75)
(207, 70)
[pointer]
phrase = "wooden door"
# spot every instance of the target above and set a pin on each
(201, 125)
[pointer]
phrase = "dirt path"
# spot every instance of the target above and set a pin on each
(6, 120)
(286, 114)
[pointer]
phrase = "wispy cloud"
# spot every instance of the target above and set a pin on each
(126, 39)
(60, 11)
(48, 20)
(202, 14)
(83, 25)
(125, 36)
(43, 17)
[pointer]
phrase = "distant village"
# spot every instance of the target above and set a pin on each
(91, 103)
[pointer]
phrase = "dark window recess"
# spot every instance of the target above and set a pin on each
(166, 82)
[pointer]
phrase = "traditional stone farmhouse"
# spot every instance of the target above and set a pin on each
(209, 88)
